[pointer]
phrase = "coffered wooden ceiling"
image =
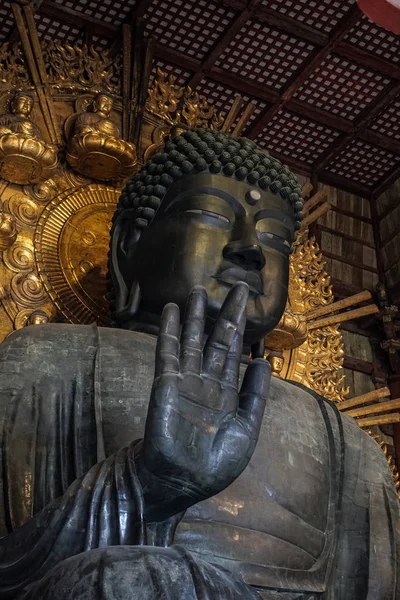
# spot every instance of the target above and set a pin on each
(324, 79)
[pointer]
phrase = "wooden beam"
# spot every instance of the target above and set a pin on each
(351, 214)
(224, 40)
(378, 139)
(352, 327)
(343, 290)
(338, 33)
(347, 260)
(361, 124)
(357, 54)
(176, 58)
(243, 85)
(345, 184)
(285, 23)
(80, 20)
(386, 181)
(347, 236)
(356, 364)
(319, 115)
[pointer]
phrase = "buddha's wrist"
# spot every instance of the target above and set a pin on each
(164, 497)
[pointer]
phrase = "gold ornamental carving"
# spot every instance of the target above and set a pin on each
(78, 68)
(24, 155)
(8, 231)
(13, 71)
(71, 245)
(95, 148)
(175, 104)
(299, 351)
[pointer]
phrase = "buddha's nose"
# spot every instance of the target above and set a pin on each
(249, 257)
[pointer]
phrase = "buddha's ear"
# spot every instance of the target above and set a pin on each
(125, 237)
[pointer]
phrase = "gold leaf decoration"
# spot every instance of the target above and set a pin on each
(175, 104)
(80, 67)
(318, 360)
(71, 244)
(13, 71)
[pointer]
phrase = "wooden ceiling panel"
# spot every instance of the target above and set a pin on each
(265, 55)
(110, 11)
(318, 14)
(388, 123)
(52, 29)
(295, 137)
(191, 27)
(343, 87)
(364, 163)
(6, 20)
(376, 40)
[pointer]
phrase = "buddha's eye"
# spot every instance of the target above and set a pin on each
(272, 239)
(211, 217)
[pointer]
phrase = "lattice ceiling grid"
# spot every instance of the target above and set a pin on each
(310, 89)
(319, 14)
(289, 133)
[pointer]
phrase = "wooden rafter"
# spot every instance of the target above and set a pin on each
(56, 11)
(361, 124)
(224, 41)
(342, 183)
(338, 33)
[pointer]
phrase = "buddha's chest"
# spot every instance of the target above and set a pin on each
(275, 512)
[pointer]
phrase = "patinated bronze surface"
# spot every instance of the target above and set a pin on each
(234, 490)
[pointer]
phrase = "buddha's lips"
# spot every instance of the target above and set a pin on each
(234, 274)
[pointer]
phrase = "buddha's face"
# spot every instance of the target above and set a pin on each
(214, 231)
(103, 104)
(22, 105)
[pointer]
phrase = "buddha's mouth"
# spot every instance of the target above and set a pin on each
(234, 274)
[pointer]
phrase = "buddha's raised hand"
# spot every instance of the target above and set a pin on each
(201, 431)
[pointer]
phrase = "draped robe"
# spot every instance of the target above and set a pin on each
(315, 513)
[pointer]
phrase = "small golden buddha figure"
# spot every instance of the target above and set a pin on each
(8, 231)
(96, 148)
(24, 155)
(18, 120)
(276, 361)
(38, 317)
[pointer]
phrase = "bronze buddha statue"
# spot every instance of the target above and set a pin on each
(233, 491)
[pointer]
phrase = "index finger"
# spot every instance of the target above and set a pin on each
(224, 329)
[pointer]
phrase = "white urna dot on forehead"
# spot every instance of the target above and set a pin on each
(253, 196)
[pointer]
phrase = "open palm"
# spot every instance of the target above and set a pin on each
(200, 431)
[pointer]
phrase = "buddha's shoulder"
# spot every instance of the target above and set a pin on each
(57, 339)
